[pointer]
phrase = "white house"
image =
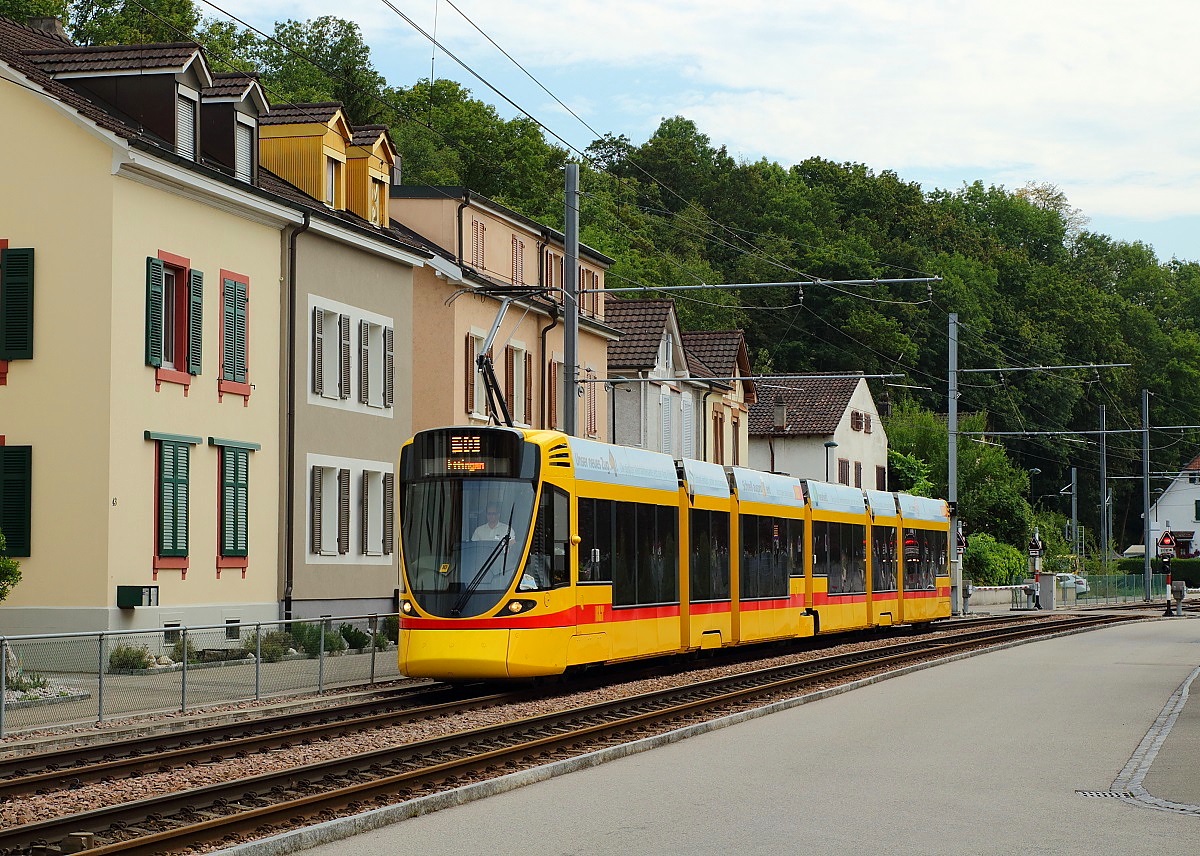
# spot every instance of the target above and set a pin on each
(824, 428)
(1178, 509)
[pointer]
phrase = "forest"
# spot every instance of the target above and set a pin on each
(1032, 286)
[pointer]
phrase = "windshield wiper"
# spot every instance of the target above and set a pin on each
(456, 610)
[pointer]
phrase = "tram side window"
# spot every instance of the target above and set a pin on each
(708, 558)
(883, 558)
(550, 547)
(925, 559)
(644, 558)
(596, 540)
(768, 553)
(839, 555)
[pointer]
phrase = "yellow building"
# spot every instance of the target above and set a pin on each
(157, 297)
(723, 356)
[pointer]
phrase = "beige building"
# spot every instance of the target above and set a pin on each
(482, 253)
(722, 355)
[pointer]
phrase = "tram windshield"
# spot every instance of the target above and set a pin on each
(463, 541)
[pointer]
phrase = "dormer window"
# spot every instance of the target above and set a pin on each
(243, 150)
(333, 180)
(185, 126)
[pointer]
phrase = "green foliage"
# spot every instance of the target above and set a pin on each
(10, 571)
(909, 473)
(308, 639)
(987, 562)
(354, 637)
(23, 682)
(124, 22)
(129, 657)
(22, 10)
(390, 628)
(182, 648)
(275, 643)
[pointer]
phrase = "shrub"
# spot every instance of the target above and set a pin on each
(354, 637)
(987, 562)
(308, 639)
(26, 681)
(177, 651)
(129, 657)
(391, 628)
(275, 644)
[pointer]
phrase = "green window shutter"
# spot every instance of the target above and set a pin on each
(16, 304)
(195, 321)
(241, 309)
(16, 489)
(154, 312)
(235, 493)
(173, 461)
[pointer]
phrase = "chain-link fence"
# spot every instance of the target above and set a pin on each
(1123, 588)
(75, 678)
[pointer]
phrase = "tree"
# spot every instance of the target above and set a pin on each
(324, 59)
(987, 562)
(132, 22)
(22, 10)
(10, 570)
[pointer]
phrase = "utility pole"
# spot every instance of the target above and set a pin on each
(1146, 491)
(1076, 541)
(570, 299)
(1104, 533)
(952, 465)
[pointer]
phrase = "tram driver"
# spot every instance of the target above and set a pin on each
(493, 528)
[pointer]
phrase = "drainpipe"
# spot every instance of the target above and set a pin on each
(289, 561)
(466, 200)
(545, 364)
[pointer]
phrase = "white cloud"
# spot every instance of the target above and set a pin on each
(1096, 96)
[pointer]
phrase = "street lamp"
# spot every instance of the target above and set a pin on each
(829, 444)
(1033, 471)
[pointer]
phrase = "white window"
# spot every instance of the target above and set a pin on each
(243, 151)
(185, 127)
(331, 354)
(376, 367)
(329, 511)
(333, 181)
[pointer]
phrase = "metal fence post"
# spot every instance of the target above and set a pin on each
(373, 622)
(321, 658)
(183, 679)
(100, 677)
(257, 662)
(3, 680)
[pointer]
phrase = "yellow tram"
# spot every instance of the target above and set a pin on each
(527, 553)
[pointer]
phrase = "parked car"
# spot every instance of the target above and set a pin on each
(1065, 581)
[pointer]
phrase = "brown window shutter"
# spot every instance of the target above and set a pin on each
(343, 511)
(364, 362)
(867, 423)
(591, 409)
(364, 504)
(389, 367)
(528, 388)
(314, 516)
(389, 513)
(855, 420)
(344, 356)
(470, 378)
(843, 475)
(318, 380)
(881, 478)
(509, 378)
(858, 474)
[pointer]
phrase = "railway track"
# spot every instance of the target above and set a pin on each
(266, 803)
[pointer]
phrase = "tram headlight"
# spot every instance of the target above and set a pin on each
(518, 606)
(406, 607)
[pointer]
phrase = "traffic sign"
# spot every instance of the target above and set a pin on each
(1167, 541)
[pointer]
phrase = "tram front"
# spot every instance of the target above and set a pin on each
(467, 504)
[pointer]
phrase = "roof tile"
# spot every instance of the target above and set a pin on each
(815, 405)
(643, 323)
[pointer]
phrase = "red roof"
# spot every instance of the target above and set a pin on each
(642, 323)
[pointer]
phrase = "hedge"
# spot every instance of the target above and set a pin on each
(1187, 570)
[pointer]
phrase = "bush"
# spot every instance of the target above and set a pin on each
(987, 562)
(308, 639)
(177, 651)
(275, 644)
(128, 657)
(391, 628)
(354, 637)
(23, 682)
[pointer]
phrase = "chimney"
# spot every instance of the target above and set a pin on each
(48, 24)
(780, 413)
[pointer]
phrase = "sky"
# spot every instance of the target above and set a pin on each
(1097, 97)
